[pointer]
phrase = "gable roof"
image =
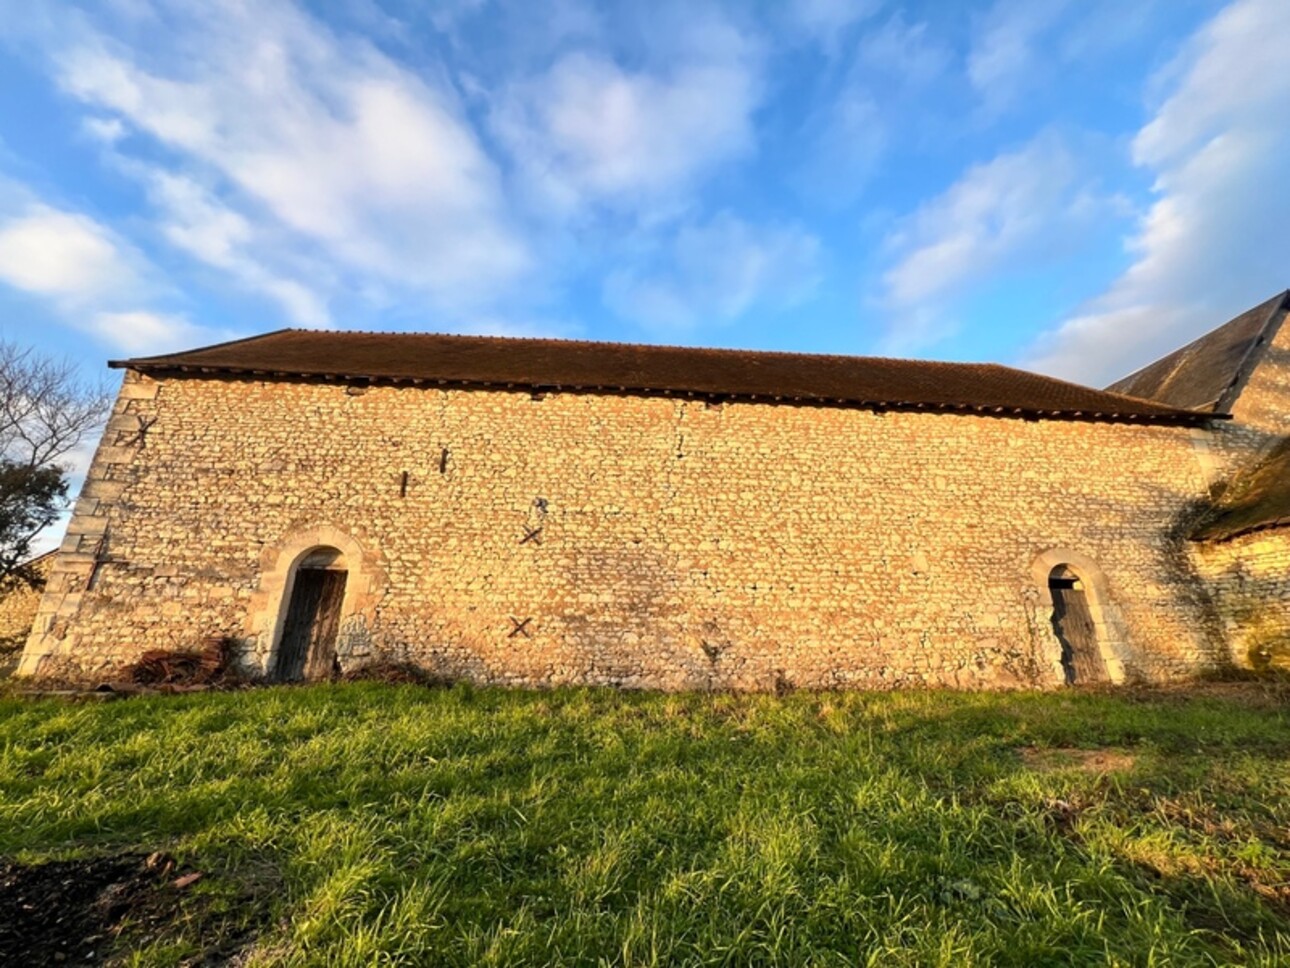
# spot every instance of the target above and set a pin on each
(1209, 373)
(1253, 501)
(549, 364)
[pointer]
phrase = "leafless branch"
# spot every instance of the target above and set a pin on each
(46, 408)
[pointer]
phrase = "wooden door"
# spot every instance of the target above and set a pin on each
(1073, 623)
(308, 646)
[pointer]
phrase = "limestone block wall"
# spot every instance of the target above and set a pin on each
(1260, 414)
(18, 604)
(629, 540)
(1249, 578)
(1263, 404)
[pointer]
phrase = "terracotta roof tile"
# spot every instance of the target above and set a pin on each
(549, 364)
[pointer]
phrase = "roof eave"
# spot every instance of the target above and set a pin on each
(1215, 535)
(140, 362)
(1176, 417)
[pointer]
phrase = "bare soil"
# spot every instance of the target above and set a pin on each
(1087, 761)
(73, 912)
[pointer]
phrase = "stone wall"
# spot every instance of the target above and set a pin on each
(1263, 404)
(18, 603)
(1260, 413)
(1249, 578)
(631, 540)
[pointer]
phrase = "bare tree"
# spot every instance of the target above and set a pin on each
(46, 411)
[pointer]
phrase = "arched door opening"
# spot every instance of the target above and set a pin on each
(1075, 629)
(307, 649)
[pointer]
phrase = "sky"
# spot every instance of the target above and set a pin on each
(1070, 186)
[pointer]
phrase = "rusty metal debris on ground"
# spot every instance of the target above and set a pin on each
(210, 664)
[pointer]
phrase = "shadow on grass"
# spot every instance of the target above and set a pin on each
(481, 826)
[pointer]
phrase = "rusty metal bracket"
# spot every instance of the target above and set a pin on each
(140, 436)
(100, 559)
(532, 534)
(521, 627)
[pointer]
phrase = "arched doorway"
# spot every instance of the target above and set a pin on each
(307, 647)
(1075, 628)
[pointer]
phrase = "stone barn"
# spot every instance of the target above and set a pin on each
(537, 512)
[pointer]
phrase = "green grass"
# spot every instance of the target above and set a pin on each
(367, 824)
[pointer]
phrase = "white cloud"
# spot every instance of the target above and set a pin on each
(62, 255)
(823, 20)
(715, 272)
(1018, 207)
(1019, 47)
(195, 220)
(1227, 85)
(107, 130)
(312, 168)
(94, 280)
(1005, 50)
(511, 37)
(902, 53)
(1215, 241)
(330, 139)
(300, 303)
(849, 138)
(446, 14)
(850, 133)
(589, 131)
(141, 332)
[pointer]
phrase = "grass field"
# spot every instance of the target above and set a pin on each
(368, 824)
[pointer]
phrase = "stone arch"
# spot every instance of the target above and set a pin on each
(279, 564)
(1108, 627)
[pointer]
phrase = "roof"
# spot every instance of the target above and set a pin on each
(549, 364)
(1253, 501)
(1207, 374)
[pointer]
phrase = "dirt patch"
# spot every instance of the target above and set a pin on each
(1204, 818)
(74, 912)
(1087, 761)
(1190, 884)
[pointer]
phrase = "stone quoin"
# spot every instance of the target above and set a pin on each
(542, 512)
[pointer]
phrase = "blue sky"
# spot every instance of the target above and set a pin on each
(1074, 187)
